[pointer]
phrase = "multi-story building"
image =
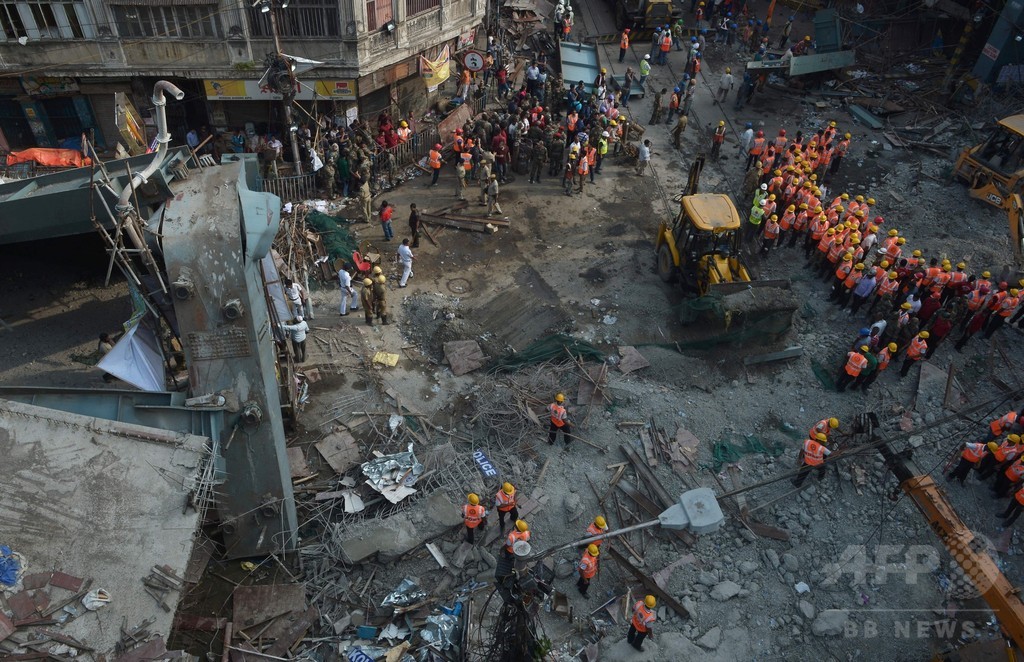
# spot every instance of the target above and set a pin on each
(62, 61)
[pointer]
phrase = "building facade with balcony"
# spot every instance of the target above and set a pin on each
(62, 61)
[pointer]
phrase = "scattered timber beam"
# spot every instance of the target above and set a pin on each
(645, 472)
(652, 509)
(788, 353)
(294, 633)
(864, 116)
(648, 583)
(449, 223)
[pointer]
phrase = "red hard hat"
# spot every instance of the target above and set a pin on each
(760, 134)
(984, 289)
(627, 30)
(965, 288)
(438, 147)
(458, 131)
(1003, 285)
(879, 220)
(782, 132)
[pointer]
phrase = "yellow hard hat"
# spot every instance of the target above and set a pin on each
(893, 232)
(803, 205)
(985, 274)
(859, 213)
(382, 279)
(1013, 438)
(507, 488)
(833, 423)
(871, 201)
(367, 282)
(777, 172)
(771, 197)
(845, 196)
(917, 252)
(1014, 292)
(728, 70)
(820, 436)
(721, 122)
(853, 242)
(403, 124)
(848, 257)
(893, 347)
(831, 231)
(474, 499)
(847, 136)
(901, 241)
(832, 124)
(872, 227)
(906, 305)
(992, 446)
(947, 267)
(377, 271)
(613, 123)
(521, 525)
(650, 601)
(593, 550)
(859, 198)
(560, 397)
(774, 217)
(818, 209)
(859, 266)
(865, 348)
(893, 274)
(600, 522)
(961, 265)
(925, 335)
(603, 70)
(884, 263)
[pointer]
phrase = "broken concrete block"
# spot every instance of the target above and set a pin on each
(711, 638)
(830, 622)
(725, 591)
(393, 536)
(807, 609)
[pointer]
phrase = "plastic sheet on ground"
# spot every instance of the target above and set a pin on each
(393, 475)
(439, 630)
(10, 567)
(732, 447)
(406, 593)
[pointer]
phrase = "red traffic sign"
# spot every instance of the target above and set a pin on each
(473, 60)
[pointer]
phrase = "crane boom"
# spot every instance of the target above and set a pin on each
(963, 545)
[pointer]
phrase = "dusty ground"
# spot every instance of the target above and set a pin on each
(589, 258)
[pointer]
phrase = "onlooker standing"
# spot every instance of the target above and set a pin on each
(297, 331)
(414, 225)
(405, 258)
(386, 212)
(643, 157)
(345, 280)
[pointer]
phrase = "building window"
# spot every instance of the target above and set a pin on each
(45, 19)
(301, 18)
(170, 21)
(378, 12)
(413, 7)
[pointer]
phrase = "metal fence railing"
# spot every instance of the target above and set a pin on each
(293, 188)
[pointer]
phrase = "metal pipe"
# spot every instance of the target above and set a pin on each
(163, 137)
(586, 541)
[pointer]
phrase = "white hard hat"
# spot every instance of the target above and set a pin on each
(647, 57)
(764, 187)
(605, 134)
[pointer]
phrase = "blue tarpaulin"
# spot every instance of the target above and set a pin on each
(9, 566)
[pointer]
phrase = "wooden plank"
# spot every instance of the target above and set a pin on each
(648, 476)
(649, 584)
(294, 633)
(788, 353)
(340, 450)
(631, 360)
(459, 225)
(648, 446)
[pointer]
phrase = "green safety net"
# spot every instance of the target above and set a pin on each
(338, 240)
(732, 447)
(553, 347)
(824, 375)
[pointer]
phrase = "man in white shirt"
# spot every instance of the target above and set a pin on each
(277, 146)
(192, 139)
(643, 157)
(296, 297)
(405, 257)
(297, 332)
(345, 280)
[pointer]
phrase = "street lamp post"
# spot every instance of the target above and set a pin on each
(287, 97)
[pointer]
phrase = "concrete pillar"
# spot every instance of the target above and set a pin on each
(1002, 47)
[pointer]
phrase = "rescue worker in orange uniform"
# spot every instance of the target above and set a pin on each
(521, 531)
(1002, 424)
(434, 161)
(643, 619)
(559, 420)
(1012, 476)
(884, 357)
(970, 456)
(1000, 455)
(587, 568)
(915, 352)
(813, 456)
(474, 516)
(596, 528)
(825, 426)
(855, 363)
(1013, 509)
(506, 502)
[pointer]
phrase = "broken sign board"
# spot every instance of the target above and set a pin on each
(486, 467)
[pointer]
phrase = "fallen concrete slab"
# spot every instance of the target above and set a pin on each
(99, 500)
(390, 538)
